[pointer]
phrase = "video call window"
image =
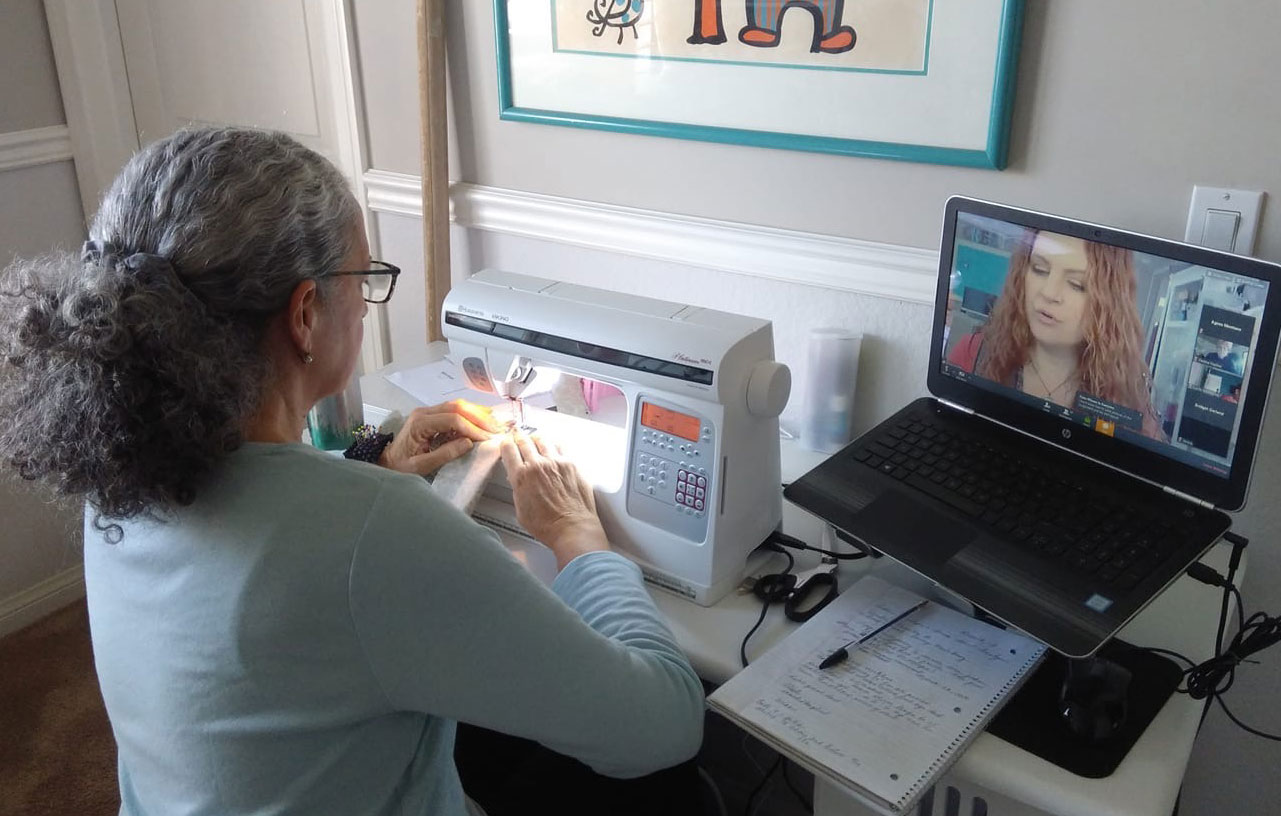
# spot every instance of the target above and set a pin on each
(1144, 348)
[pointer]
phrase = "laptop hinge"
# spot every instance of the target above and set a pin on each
(960, 408)
(1186, 497)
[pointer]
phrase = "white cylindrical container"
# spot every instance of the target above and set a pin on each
(332, 420)
(832, 371)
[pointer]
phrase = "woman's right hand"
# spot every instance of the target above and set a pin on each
(438, 434)
(554, 503)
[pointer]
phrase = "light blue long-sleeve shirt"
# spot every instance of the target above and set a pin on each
(304, 636)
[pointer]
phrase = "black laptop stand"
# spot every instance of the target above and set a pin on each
(1033, 719)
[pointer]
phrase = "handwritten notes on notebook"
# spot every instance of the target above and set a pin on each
(889, 720)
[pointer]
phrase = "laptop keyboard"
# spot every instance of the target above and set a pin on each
(1089, 531)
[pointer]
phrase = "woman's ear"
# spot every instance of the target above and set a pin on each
(301, 317)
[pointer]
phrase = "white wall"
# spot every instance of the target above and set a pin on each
(39, 209)
(1120, 109)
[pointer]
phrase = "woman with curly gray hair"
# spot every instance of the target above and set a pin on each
(277, 629)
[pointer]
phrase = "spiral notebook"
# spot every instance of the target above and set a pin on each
(889, 720)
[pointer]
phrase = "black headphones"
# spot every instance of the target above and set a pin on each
(1093, 700)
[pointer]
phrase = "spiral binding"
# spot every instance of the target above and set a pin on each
(971, 730)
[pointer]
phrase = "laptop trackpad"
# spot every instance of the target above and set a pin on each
(907, 530)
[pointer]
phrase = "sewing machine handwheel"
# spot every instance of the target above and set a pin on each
(768, 388)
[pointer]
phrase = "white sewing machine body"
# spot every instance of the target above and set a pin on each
(689, 485)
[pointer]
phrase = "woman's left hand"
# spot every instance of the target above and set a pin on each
(438, 434)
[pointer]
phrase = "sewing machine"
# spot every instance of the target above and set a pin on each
(686, 472)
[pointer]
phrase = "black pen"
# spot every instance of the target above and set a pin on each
(843, 652)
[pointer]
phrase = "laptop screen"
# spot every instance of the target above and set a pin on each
(1151, 344)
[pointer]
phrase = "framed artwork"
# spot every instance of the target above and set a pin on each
(916, 80)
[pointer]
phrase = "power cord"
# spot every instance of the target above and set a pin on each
(781, 538)
(750, 808)
(770, 589)
(805, 803)
(780, 761)
(775, 587)
(1211, 679)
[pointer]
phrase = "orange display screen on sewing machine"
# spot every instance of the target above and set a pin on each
(670, 422)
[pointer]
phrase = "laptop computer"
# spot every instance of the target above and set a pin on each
(1087, 428)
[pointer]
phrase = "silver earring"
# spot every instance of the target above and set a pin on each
(307, 358)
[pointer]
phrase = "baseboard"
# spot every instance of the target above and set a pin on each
(43, 599)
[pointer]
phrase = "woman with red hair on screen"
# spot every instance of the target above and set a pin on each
(1066, 322)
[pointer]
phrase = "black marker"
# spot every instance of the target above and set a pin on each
(843, 652)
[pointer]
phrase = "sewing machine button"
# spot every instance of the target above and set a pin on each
(700, 494)
(662, 474)
(661, 484)
(696, 452)
(680, 476)
(702, 482)
(698, 504)
(680, 498)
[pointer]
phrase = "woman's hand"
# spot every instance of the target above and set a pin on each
(554, 503)
(438, 434)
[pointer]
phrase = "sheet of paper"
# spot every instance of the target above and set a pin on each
(443, 380)
(887, 714)
(439, 382)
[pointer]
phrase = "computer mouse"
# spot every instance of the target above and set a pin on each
(1093, 701)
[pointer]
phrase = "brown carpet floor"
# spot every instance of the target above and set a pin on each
(57, 755)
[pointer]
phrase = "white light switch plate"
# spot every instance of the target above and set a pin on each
(1248, 203)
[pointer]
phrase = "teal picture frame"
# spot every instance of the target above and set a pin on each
(992, 153)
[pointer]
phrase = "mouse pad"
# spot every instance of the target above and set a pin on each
(1031, 719)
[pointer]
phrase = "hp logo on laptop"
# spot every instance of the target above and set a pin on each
(1067, 434)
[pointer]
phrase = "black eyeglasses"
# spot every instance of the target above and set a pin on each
(379, 274)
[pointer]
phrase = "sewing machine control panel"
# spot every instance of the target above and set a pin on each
(672, 475)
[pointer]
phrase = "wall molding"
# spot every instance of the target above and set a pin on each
(844, 264)
(45, 598)
(395, 193)
(29, 148)
(87, 50)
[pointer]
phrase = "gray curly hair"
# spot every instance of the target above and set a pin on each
(127, 373)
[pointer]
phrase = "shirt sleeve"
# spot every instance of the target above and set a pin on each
(454, 626)
(965, 353)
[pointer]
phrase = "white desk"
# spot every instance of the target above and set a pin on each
(1010, 781)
